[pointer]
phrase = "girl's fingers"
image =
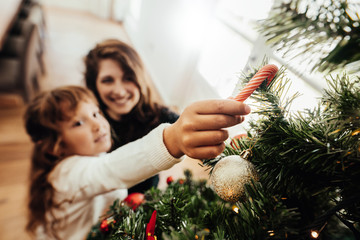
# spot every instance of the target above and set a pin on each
(199, 132)
(204, 138)
(227, 106)
(212, 122)
(206, 152)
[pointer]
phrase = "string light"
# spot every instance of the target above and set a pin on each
(271, 233)
(235, 209)
(357, 131)
(314, 234)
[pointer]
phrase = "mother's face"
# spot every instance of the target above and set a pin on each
(118, 91)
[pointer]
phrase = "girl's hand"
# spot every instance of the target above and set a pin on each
(199, 133)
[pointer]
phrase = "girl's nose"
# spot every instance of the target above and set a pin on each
(95, 125)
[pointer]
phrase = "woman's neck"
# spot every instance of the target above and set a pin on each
(113, 116)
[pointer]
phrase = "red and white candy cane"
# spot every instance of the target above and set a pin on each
(267, 72)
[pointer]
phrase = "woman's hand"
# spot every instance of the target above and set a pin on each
(199, 132)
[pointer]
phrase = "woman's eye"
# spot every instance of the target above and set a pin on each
(128, 79)
(78, 123)
(107, 80)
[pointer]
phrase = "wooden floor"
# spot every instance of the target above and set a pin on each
(70, 35)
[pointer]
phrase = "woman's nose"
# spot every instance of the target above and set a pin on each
(119, 88)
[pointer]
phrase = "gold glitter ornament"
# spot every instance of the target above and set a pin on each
(230, 174)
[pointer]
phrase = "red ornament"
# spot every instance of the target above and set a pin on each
(150, 227)
(104, 226)
(134, 200)
(169, 180)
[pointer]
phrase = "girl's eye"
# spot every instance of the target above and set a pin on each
(78, 123)
(107, 80)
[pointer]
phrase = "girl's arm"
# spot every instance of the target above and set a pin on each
(79, 178)
(198, 133)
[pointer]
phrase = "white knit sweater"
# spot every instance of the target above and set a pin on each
(86, 186)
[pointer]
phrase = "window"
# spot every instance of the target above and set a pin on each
(234, 44)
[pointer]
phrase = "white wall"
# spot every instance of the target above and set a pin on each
(100, 8)
(190, 52)
(168, 35)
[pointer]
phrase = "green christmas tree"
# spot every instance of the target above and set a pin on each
(309, 175)
(308, 163)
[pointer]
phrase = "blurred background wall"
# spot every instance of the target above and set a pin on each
(197, 49)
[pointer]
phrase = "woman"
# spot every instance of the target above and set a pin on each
(116, 75)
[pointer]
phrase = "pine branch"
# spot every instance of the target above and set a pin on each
(330, 30)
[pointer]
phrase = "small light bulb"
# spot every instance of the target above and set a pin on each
(235, 209)
(314, 234)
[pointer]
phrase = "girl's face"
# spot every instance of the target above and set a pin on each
(117, 91)
(86, 133)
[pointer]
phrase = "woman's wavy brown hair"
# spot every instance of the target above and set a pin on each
(41, 122)
(132, 66)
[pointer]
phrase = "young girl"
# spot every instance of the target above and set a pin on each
(116, 75)
(74, 180)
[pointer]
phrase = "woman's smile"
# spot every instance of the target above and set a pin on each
(118, 92)
(120, 100)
